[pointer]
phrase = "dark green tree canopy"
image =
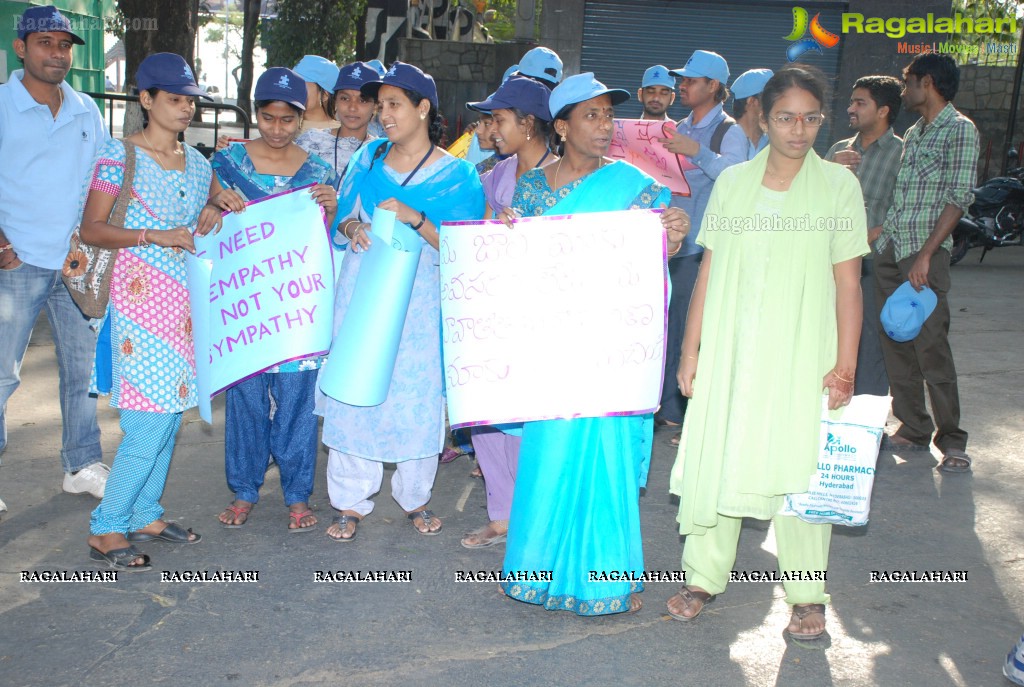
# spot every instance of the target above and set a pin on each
(312, 27)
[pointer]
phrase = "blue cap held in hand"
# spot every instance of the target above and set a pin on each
(707, 64)
(579, 88)
(906, 310)
(281, 83)
(168, 72)
(44, 20)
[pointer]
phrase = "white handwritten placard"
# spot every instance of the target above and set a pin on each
(559, 317)
(261, 291)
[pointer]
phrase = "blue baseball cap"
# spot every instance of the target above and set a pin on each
(402, 75)
(168, 72)
(509, 73)
(582, 87)
(750, 82)
(318, 70)
(658, 75)
(353, 76)
(906, 310)
(281, 83)
(521, 93)
(43, 20)
(378, 66)
(475, 106)
(541, 63)
(705, 63)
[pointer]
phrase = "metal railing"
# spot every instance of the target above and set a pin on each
(243, 119)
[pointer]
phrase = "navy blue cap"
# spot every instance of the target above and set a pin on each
(46, 19)
(402, 75)
(521, 93)
(281, 83)
(168, 72)
(580, 88)
(353, 76)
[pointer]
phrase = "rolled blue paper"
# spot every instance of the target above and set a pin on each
(362, 358)
(198, 271)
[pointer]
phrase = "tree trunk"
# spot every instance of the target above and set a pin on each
(250, 30)
(153, 26)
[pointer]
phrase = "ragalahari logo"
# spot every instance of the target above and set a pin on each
(820, 37)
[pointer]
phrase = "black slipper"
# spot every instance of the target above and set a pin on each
(426, 515)
(173, 533)
(121, 559)
(342, 522)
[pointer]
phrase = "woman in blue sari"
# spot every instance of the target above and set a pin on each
(424, 186)
(269, 165)
(576, 505)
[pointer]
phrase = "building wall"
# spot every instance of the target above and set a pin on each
(463, 72)
(985, 96)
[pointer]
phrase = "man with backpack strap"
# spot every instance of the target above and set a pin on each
(710, 142)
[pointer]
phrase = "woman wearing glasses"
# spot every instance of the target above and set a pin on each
(775, 319)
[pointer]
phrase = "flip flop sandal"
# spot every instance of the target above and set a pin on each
(173, 533)
(801, 612)
(632, 610)
(121, 559)
(957, 454)
(427, 516)
(342, 522)
(237, 510)
(297, 517)
(689, 596)
(675, 439)
(483, 542)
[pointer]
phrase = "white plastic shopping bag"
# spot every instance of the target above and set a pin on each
(840, 491)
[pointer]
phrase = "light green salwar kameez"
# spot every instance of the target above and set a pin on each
(768, 338)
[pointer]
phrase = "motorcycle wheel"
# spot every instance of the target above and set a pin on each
(960, 247)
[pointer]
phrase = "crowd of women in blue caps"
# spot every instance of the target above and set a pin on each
(562, 495)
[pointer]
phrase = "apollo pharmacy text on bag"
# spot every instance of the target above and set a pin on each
(840, 491)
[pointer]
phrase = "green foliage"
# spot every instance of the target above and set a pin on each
(993, 9)
(312, 27)
(503, 26)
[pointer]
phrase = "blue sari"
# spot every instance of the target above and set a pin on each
(576, 506)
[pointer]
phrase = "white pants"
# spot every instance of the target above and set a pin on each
(351, 481)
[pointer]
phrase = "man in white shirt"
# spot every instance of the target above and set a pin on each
(49, 136)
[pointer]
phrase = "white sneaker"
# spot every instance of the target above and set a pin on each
(91, 479)
(3, 506)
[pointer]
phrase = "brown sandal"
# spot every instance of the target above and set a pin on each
(690, 596)
(800, 613)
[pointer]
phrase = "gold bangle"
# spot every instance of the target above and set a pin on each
(692, 357)
(676, 251)
(848, 381)
(347, 226)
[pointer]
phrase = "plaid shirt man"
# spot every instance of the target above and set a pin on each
(879, 165)
(939, 168)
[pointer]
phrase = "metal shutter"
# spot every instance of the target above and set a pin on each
(621, 39)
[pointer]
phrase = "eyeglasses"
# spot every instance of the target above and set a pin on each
(788, 121)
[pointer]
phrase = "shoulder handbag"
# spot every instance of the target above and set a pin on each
(87, 269)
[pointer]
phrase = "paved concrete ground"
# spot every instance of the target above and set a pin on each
(289, 630)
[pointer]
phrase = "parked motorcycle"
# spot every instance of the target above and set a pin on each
(995, 218)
